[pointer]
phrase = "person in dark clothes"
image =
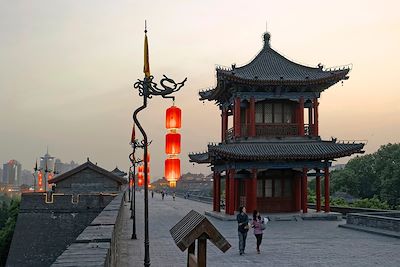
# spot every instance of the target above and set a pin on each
(258, 226)
(243, 228)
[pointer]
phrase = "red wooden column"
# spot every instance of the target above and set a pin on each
(252, 111)
(297, 193)
(231, 209)
(236, 198)
(318, 190)
(214, 192)
(301, 116)
(326, 182)
(236, 117)
(224, 122)
(251, 191)
(310, 122)
(315, 106)
(227, 198)
(304, 191)
(218, 191)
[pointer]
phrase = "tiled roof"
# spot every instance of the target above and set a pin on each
(269, 68)
(88, 165)
(311, 150)
(118, 172)
(269, 65)
(199, 157)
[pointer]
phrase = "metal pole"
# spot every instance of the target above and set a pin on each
(34, 182)
(129, 189)
(146, 207)
(131, 193)
(133, 212)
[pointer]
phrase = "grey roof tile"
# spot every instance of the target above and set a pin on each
(279, 151)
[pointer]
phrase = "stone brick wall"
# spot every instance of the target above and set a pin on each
(46, 226)
(98, 244)
(386, 221)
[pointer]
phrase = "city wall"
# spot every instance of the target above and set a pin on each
(47, 224)
(98, 244)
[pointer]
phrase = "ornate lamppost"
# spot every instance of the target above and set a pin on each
(132, 174)
(147, 89)
(39, 172)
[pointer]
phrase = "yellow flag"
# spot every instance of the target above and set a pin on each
(146, 67)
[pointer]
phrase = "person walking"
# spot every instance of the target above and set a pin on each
(173, 196)
(152, 194)
(258, 226)
(243, 228)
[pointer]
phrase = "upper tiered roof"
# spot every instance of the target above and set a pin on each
(270, 69)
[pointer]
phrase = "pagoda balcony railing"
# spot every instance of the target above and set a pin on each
(277, 129)
(229, 134)
(308, 129)
(272, 130)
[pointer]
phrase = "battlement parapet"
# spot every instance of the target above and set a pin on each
(36, 202)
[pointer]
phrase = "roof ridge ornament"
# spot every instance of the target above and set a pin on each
(267, 39)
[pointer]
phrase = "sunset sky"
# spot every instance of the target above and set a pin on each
(67, 70)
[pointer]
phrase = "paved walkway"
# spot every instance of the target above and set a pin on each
(286, 243)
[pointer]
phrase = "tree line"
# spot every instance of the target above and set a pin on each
(9, 209)
(373, 179)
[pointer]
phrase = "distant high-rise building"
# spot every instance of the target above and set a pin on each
(61, 167)
(46, 172)
(47, 162)
(11, 172)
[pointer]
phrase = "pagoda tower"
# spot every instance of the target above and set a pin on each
(274, 145)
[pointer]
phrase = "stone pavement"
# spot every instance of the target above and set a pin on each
(285, 243)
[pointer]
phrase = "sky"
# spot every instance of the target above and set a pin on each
(67, 70)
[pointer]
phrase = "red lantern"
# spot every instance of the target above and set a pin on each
(140, 172)
(40, 180)
(140, 168)
(172, 170)
(173, 118)
(140, 182)
(172, 143)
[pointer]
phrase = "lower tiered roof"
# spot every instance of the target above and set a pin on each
(278, 149)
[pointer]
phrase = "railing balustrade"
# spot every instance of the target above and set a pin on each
(272, 130)
(277, 129)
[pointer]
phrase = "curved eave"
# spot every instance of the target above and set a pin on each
(335, 76)
(200, 158)
(318, 151)
(207, 95)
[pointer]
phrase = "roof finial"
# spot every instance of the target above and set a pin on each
(145, 26)
(267, 35)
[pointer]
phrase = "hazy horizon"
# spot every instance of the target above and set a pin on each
(67, 70)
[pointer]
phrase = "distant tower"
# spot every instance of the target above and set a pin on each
(47, 162)
(12, 172)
